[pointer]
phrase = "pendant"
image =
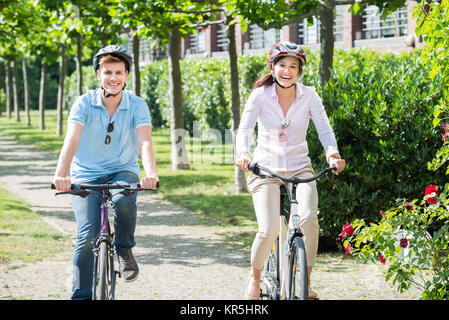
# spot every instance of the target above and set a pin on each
(285, 124)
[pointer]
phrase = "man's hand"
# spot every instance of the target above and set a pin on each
(62, 183)
(149, 182)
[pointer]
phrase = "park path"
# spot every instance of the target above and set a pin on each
(178, 257)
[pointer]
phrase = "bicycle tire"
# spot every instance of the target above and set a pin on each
(299, 286)
(103, 268)
(113, 277)
(270, 279)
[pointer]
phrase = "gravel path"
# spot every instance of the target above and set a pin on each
(178, 257)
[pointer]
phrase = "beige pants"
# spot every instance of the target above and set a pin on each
(266, 199)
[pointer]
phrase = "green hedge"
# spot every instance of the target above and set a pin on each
(380, 106)
(206, 90)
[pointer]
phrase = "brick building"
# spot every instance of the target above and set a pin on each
(394, 33)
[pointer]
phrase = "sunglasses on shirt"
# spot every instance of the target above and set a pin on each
(107, 140)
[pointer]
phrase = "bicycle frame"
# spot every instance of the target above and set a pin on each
(104, 235)
(289, 231)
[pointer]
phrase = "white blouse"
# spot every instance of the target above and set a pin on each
(283, 149)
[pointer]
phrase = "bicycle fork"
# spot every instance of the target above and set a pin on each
(104, 236)
(287, 234)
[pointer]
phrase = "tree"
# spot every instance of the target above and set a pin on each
(16, 20)
(260, 12)
(433, 22)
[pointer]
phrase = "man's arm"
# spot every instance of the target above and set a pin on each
(146, 152)
(71, 142)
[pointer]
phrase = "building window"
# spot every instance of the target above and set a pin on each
(394, 25)
(310, 33)
(338, 23)
(222, 39)
(259, 38)
(197, 41)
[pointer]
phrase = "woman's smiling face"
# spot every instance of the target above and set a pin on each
(286, 70)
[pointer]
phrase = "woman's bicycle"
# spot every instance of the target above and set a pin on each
(103, 246)
(284, 275)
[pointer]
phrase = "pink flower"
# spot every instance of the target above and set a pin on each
(409, 206)
(403, 243)
(446, 132)
(382, 259)
(348, 230)
(348, 249)
(429, 190)
(382, 213)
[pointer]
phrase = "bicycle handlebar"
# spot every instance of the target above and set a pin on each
(255, 168)
(81, 189)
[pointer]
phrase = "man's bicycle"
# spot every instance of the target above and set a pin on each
(284, 275)
(103, 246)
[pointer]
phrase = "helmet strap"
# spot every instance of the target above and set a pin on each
(280, 85)
(108, 95)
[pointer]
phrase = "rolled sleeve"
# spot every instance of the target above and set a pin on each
(142, 116)
(78, 112)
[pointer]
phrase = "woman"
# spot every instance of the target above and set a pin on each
(282, 107)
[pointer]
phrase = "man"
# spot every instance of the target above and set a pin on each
(107, 129)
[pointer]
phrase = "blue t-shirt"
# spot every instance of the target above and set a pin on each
(93, 158)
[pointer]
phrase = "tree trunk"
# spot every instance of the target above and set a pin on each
(8, 84)
(136, 67)
(326, 40)
(42, 95)
(15, 85)
(26, 93)
(177, 133)
(60, 107)
(79, 65)
(1, 106)
(239, 175)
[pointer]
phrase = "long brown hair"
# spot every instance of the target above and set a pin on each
(268, 79)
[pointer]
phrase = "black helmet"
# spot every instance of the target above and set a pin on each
(115, 51)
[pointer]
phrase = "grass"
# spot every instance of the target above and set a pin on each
(207, 188)
(24, 235)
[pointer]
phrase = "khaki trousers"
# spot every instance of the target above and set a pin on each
(266, 200)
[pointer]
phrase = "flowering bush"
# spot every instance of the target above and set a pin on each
(412, 239)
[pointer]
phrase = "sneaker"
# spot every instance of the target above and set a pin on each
(128, 266)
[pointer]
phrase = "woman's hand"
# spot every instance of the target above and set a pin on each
(335, 161)
(243, 161)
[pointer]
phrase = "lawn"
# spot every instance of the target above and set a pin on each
(24, 235)
(207, 188)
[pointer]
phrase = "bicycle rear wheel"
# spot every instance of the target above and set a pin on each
(298, 271)
(270, 275)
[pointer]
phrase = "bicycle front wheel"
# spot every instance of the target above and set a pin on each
(298, 271)
(103, 264)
